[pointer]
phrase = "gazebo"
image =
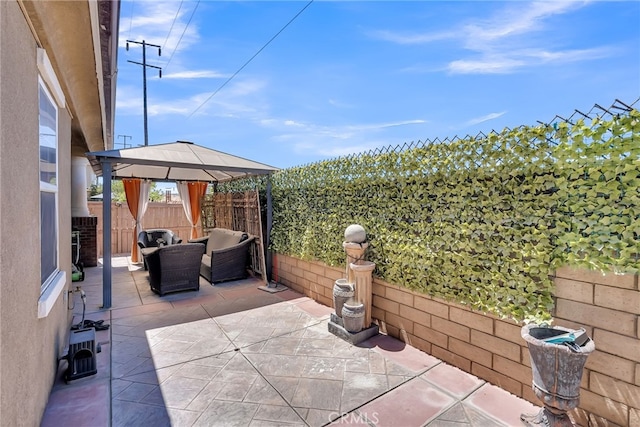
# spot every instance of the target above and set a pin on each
(175, 161)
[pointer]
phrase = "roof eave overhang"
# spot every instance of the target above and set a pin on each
(80, 38)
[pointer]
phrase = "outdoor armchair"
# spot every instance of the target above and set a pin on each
(226, 255)
(148, 240)
(157, 237)
(175, 268)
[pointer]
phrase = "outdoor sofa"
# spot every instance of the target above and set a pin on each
(175, 268)
(226, 255)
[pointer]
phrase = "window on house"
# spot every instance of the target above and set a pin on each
(48, 123)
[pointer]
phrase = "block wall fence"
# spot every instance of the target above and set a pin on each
(607, 306)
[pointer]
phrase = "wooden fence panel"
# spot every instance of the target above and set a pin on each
(159, 215)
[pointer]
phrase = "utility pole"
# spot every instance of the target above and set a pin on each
(144, 78)
(124, 137)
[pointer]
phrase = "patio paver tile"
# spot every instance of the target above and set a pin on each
(127, 414)
(286, 386)
(79, 404)
(401, 353)
(135, 392)
(282, 414)
(317, 417)
(414, 404)
(263, 392)
(192, 370)
(206, 396)
(490, 399)
(360, 388)
(279, 345)
(318, 394)
(457, 382)
(463, 415)
(328, 368)
(278, 364)
(227, 414)
(178, 392)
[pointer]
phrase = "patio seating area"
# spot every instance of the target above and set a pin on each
(232, 354)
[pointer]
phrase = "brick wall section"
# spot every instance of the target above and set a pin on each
(608, 306)
(87, 226)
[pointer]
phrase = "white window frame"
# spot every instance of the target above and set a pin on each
(47, 81)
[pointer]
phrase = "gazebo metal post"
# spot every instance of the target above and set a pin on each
(106, 234)
(269, 255)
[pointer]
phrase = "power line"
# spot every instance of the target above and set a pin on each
(251, 59)
(175, 18)
(182, 35)
(130, 21)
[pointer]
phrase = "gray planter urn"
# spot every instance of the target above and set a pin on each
(342, 292)
(353, 316)
(557, 373)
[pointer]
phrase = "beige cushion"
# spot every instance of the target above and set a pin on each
(221, 238)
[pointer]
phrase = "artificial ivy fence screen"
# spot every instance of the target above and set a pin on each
(481, 221)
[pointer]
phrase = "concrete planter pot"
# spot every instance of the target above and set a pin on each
(557, 373)
(342, 292)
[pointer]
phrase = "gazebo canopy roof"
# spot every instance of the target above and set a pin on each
(176, 161)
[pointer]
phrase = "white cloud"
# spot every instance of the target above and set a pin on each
(502, 43)
(151, 21)
(129, 99)
(414, 38)
(195, 74)
(486, 118)
(574, 55)
(241, 98)
(485, 66)
(517, 19)
(517, 59)
(339, 104)
(388, 125)
(333, 141)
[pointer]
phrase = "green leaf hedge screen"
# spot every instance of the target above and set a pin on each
(483, 221)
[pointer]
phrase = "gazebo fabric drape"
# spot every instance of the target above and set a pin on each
(137, 192)
(191, 193)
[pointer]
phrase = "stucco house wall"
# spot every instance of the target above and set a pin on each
(29, 346)
(30, 342)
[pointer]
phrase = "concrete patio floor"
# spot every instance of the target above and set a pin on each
(234, 355)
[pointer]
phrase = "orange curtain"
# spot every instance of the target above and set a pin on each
(197, 190)
(132, 191)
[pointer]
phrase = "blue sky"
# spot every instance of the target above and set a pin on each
(348, 76)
